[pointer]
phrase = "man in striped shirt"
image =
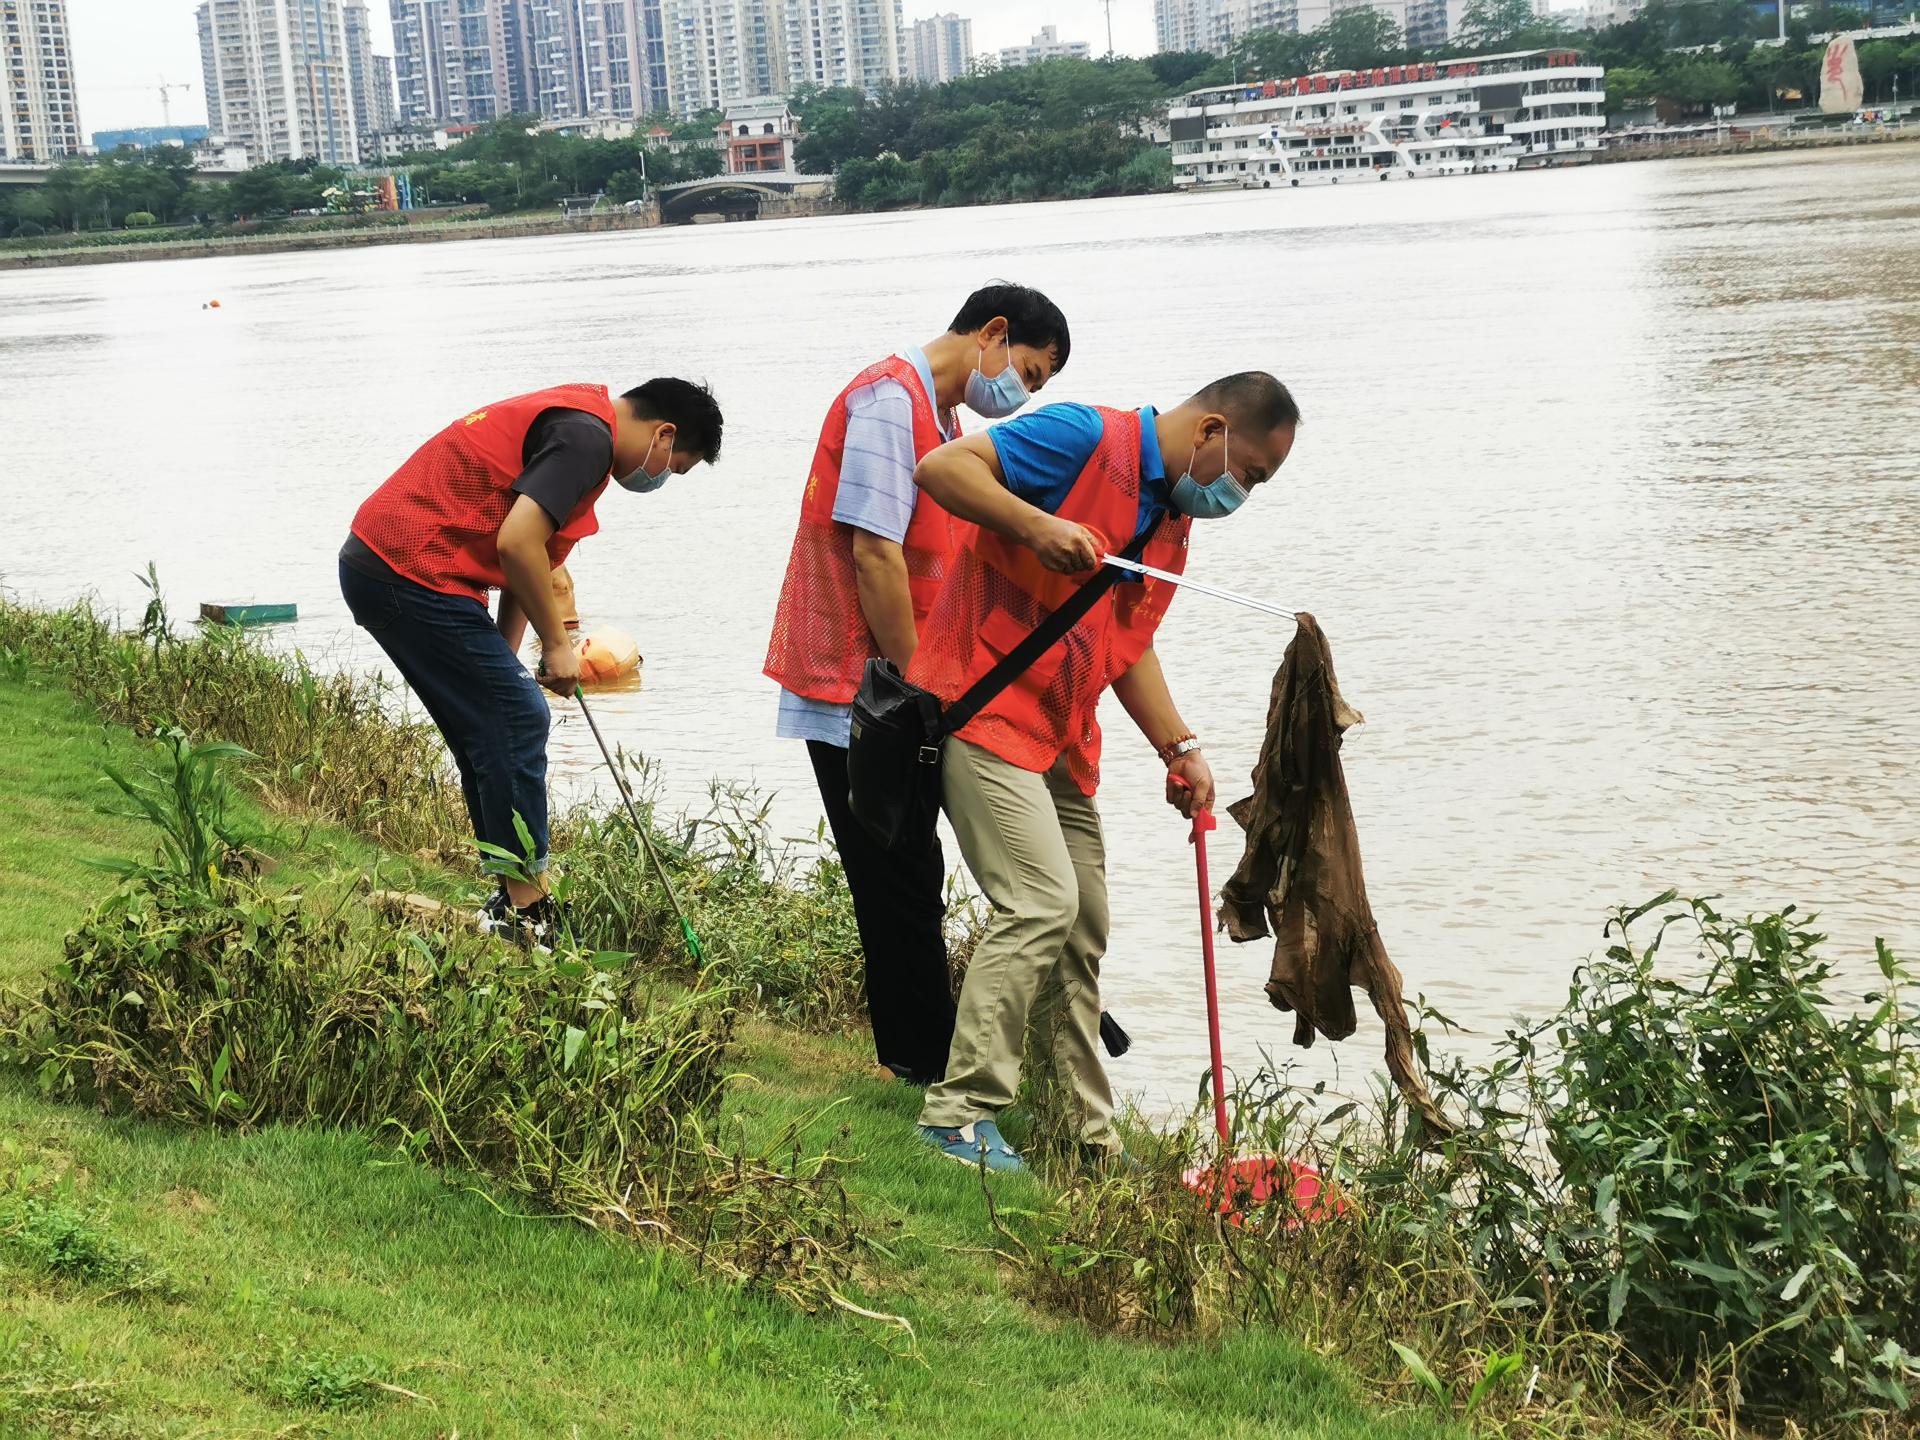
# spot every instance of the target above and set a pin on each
(868, 558)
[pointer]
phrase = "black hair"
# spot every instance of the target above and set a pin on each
(686, 405)
(1253, 402)
(1032, 319)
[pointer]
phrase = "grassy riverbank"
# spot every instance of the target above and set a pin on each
(377, 1178)
(300, 1263)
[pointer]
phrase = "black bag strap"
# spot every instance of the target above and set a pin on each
(1041, 639)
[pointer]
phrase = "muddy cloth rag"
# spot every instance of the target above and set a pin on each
(1300, 879)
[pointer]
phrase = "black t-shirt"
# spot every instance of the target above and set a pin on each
(566, 454)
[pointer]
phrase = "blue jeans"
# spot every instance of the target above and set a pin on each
(491, 712)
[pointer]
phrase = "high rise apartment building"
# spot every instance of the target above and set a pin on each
(939, 49)
(594, 57)
(1217, 26)
(369, 81)
(41, 120)
(1047, 45)
(454, 61)
(854, 43)
(278, 78)
(723, 51)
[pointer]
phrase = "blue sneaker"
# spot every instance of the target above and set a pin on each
(978, 1142)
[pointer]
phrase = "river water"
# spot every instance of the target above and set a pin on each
(1607, 500)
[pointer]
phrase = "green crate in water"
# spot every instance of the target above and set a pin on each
(248, 614)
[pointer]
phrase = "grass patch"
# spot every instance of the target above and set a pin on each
(44, 1394)
(72, 1244)
(320, 1382)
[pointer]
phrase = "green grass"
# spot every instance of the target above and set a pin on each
(315, 1277)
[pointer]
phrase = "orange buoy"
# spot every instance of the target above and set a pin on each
(213, 304)
(606, 655)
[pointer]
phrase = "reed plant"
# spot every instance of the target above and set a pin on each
(575, 1080)
(775, 918)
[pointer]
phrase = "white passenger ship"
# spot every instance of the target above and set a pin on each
(1394, 122)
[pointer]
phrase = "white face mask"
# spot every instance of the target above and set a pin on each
(644, 481)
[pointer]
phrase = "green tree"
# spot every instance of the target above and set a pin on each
(1275, 55)
(1630, 84)
(1879, 63)
(1493, 24)
(1699, 81)
(1176, 69)
(1355, 40)
(259, 194)
(626, 185)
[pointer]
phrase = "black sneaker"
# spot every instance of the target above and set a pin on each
(496, 916)
(537, 926)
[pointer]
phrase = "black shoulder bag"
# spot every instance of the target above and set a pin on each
(893, 757)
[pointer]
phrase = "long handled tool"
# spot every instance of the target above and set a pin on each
(1203, 821)
(1235, 1186)
(646, 842)
(1266, 607)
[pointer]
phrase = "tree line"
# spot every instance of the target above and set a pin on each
(1060, 129)
(507, 166)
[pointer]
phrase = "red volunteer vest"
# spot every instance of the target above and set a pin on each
(437, 519)
(820, 642)
(1000, 592)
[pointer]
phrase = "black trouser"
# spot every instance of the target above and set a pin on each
(899, 901)
(490, 711)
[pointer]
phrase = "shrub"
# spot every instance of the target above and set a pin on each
(141, 220)
(1691, 1192)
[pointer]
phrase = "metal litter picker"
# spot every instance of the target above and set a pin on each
(639, 830)
(1236, 1186)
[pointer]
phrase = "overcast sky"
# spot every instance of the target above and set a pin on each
(121, 48)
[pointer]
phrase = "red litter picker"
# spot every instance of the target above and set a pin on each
(1236, 1186)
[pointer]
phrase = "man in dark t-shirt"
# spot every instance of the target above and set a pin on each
(493, 503)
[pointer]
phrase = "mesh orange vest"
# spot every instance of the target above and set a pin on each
(1000, 592)
(821, 642)
(437, 519)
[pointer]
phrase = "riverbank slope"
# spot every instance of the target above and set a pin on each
(318, 1282)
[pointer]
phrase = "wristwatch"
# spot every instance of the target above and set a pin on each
(1173, 751)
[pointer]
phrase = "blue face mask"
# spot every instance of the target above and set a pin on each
(1208, 502)
(644, 481)
(1000, 396)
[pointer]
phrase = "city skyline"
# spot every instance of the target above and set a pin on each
(122, 48)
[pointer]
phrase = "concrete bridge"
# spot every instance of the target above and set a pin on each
(741, 197)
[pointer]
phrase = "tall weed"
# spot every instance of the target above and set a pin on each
(1691, 1192)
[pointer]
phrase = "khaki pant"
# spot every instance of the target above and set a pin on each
(1034, 846)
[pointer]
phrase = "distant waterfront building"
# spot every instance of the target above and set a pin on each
(855, 43)
(281, 78)
(939, 49)
(41, 116)
(759, 135)
(1047, 45)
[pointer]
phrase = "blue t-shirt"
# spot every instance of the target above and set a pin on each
(1043, 453)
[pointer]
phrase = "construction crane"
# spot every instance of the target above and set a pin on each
(166, 89)
(166, 99)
